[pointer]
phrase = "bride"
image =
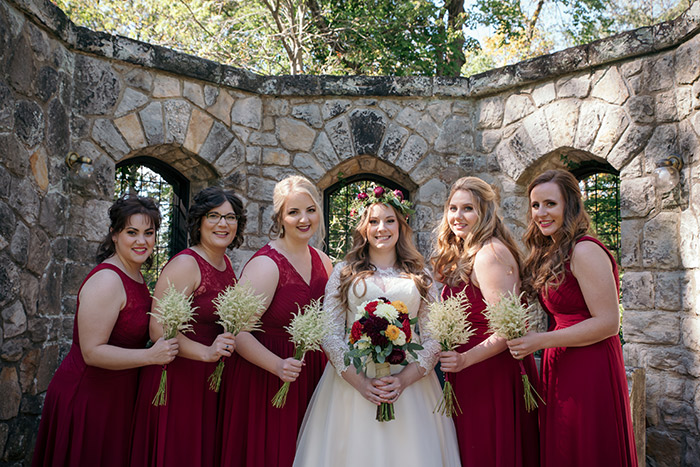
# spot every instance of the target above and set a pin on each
(340, 427)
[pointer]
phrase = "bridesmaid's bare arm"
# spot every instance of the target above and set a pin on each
(101, 300)
(495, 273)
(183, 273)
(591, 266)
(262, 273)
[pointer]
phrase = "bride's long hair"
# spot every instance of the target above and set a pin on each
(357, 262)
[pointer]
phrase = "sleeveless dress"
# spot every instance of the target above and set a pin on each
(494, 428)
(182, 431)
(88, 410)
(251, 431)
(587, 420)
(340, 428)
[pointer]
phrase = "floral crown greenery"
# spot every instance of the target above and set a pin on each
(379, 194)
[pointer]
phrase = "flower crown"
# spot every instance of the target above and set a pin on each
(379, 194)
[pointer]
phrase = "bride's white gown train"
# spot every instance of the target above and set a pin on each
(340, 429)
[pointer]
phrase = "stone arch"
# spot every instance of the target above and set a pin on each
(561, 158)
(196, 170)
(367, 164)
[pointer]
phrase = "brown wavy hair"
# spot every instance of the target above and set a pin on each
(358, 268)
(453, 259)
(547, 255)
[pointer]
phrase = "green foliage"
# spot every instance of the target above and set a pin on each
(601, 197)
(371, 37)
(388, 37)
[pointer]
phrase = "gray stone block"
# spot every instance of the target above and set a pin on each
(218, 139)
(455, 136)
(29, 123)
(338, 132)
(368, 127)
(152, 121)
(97, 86)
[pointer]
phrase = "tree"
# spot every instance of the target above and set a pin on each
(372, 37)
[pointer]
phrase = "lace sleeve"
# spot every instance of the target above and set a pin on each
(335, 344)
(428, 357)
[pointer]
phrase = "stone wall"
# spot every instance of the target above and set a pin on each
(629, 100)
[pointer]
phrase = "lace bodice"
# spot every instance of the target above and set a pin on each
(388, 283)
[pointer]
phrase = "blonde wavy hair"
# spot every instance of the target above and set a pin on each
(547, 255)
(453, 259)
(358, 266)
(284, 188)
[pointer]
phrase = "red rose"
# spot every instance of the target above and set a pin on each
(362, 196)
(406, 328)
(378, 191)
(371, 307)
(398, 194)
(356, 332)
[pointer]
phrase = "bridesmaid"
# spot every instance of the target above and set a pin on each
(89, 404)
(289, 273)
(476, 254)
(182, 431)
(587, 418)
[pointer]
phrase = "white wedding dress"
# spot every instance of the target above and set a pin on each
(340, 428)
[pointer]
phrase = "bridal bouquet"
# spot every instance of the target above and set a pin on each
(448, 324)
(510, 319)
(307, 329)
(174, 312)
(382, 334)
(239, 309)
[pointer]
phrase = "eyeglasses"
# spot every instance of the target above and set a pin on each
(215, 218)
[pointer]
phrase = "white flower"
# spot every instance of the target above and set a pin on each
(363, 343)
(448, 323)
(401, 340)
(387, 312)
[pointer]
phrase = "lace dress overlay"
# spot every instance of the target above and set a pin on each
(340, 428)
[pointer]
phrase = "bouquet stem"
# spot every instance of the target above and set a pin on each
(281, 397)
(161, 397)
(448, 405)
(385, 411)
(215, 377)
(529, 391)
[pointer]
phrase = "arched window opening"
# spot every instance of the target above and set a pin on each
(150, 177)
(600, 186)
(336, 205)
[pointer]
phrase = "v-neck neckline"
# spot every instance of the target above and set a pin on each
(311, 275)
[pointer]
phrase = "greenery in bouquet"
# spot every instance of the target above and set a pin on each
(238, 308)
(449, 325)
(381, 334)
(307, 330)
(511, 318)
(174, 312)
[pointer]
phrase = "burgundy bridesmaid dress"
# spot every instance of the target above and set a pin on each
(494, 428)
(587, 420)
(88, 411)
(251, 431)
(182, 431)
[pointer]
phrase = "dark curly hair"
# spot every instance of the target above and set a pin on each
(119, 214)
(205, 201)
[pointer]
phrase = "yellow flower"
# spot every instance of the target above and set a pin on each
(400, 306)
(392, 332)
